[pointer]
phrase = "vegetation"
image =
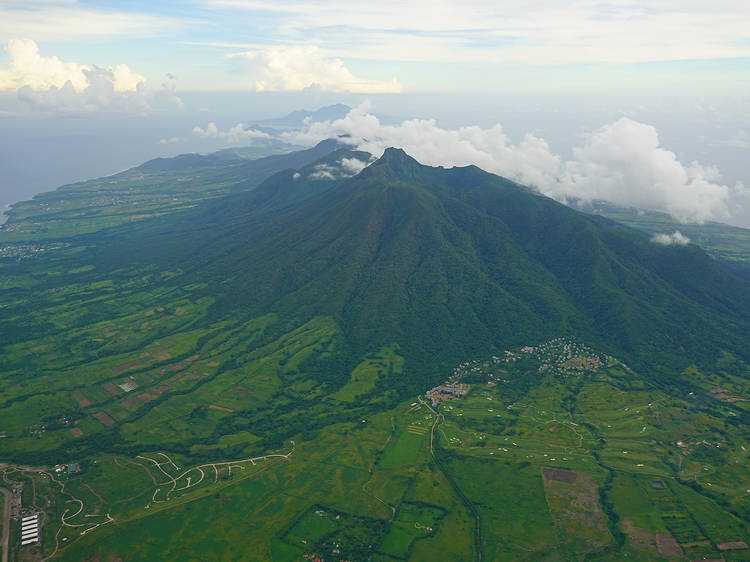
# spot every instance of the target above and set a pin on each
(242, 376)
(728, 244)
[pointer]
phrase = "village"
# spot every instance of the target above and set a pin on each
(24, 251)
(560, 356)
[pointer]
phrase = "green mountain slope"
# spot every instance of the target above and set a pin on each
(245, 378)
(729, 244)
(450, 263)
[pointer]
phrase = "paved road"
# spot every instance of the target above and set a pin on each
(6, 523)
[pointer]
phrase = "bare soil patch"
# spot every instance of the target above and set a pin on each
(104, 418)
(640, 537)
(572, 499)
(667, 546)
(111, 388)
(75, 432)
(559, 475)
(193, 358)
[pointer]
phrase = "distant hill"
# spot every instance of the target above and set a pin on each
(296, 118)
(180, 162)
(157, 187)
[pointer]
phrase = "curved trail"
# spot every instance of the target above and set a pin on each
(173, 480)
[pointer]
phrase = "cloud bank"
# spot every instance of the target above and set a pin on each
(234, 135)
(622, 162)
(674, 239)
(50, 84)
(28, 68)
(295, 68)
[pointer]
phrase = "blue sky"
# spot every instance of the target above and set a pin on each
(573, 93)
(476, 45)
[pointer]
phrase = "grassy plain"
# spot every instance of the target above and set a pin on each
(587, 463)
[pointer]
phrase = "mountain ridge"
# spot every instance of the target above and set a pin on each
(447, 253)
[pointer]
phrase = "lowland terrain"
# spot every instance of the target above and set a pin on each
(296, 358)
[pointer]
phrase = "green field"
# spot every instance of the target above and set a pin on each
(545, 481)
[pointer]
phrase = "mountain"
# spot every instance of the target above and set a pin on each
(330, 356)
(449, 263)
(296, 118)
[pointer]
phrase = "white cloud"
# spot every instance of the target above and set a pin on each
(353, 165)
(210, 132)
(28, 68)
(674, 239)
(539, 32)
(530, 162)
(622, 162)
(323, 172)
(344, 168)
(53, 85)
(296, 68)
(234, 135)
(125, 80)
(99, 95)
